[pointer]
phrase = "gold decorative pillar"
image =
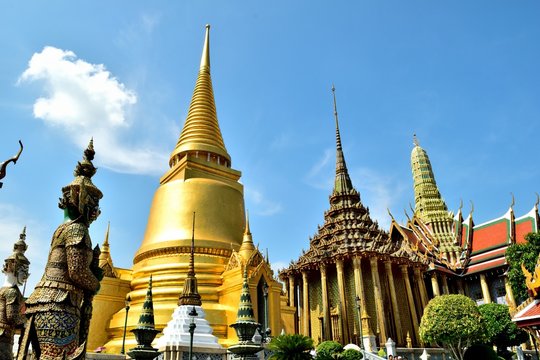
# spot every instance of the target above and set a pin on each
(343, 302)
(445, 284)
(412, 306)
(326, 309)
(360, 290)
(395, 308)
(485, 289)
(509, 293)
(379, 306)
(421, 286)
(435, 284)
(305, 305)
(291, 290)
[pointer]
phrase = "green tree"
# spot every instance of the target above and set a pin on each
(351, 354)
(501, 331)
(453, 322)
(291, 347)
(483, 352)
(516, 254)
(328, 349)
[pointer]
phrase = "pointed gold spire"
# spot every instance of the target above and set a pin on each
(205, 57)
(247, 247)
(201, 135)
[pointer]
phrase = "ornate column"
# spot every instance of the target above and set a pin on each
(421, 286)
(395, 308)
(291, 290)
(485, 289)
(359, 286)
(412, 306)
(435, 284)
(343, 302)
(445, 284)
(326, 309)
(509, 293)
(379, 306)
(305, 305)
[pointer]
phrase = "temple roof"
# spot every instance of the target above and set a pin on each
(348, 229)
(201, 132)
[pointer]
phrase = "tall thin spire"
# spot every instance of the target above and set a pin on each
(201, 134)
(429, 204)
(342, 183)
(247, 247)
(190, 294)
(428, 200)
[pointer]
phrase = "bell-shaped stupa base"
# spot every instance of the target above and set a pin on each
(176, 333)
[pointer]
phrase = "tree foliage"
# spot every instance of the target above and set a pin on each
(516, 254)
(291, 347)
(453, 322)
(483, 352)
(501, 331)
(351, 354)
(327, 349)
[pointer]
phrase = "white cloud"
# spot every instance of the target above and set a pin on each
(378, 192)
(262, 205)
(320, 175)
(278, 265)
(84, 100)
(12, 221)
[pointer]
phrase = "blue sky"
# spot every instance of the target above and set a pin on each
(464, 76)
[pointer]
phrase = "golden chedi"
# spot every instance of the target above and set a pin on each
(200, 180)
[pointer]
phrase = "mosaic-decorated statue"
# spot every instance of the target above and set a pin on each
(11, 300)
(60, 307)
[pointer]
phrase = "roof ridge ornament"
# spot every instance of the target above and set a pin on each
(4, 165)
(415, 140)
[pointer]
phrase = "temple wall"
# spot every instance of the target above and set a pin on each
(109, 300)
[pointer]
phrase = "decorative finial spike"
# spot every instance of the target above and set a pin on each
(415, 140)
(537, 200)
(205, 57)
(248, 230)
(513, 201)
(106, 242)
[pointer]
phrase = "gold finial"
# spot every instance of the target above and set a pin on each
(205, 57)
(247, 231)
(472, 207)
(460, 204)
(389, 213)
(415, 140)
(106, 242)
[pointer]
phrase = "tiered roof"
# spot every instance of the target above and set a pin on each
(451, 243)
(348, 228)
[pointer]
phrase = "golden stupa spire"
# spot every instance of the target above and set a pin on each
(201, 135)
(342, 183)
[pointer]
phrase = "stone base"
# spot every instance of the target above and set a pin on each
(370, 344)
(199, 353)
